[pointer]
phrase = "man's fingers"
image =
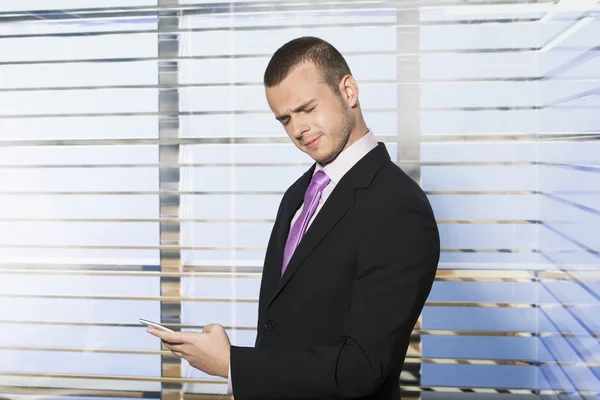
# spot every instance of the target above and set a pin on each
(170, 337)
(174, 338)
(174, 347)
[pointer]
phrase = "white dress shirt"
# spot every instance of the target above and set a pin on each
(335, 170)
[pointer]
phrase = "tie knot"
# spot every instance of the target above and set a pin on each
(320, 179)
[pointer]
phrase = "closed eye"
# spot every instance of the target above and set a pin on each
(307, 107)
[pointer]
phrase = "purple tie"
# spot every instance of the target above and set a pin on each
(311, 200)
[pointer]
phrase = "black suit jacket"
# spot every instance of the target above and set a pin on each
(337, 324)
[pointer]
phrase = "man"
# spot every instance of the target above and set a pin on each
(351, 258)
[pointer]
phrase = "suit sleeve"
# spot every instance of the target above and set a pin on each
(396, 266)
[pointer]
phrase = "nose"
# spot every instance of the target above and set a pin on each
(300, 128)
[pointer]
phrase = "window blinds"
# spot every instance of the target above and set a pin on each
(134, 138)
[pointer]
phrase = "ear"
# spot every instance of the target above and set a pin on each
(349, 90)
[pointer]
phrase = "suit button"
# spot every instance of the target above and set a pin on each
(270, 325)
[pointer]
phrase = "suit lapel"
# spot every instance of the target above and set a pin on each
(333, 210)
(336, 206)
(274, 258)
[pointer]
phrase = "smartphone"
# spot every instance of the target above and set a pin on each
(155, 325)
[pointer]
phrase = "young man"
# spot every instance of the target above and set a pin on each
(351, 258)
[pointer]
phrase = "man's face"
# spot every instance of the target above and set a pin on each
(318, 120)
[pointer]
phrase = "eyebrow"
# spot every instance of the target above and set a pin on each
(301, 107)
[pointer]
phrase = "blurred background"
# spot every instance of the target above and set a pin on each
(134, 138)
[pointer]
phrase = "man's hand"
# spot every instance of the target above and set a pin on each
(207, 351)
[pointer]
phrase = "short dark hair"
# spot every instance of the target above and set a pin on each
(323, 55)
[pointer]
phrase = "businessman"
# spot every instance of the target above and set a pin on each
(351, 258)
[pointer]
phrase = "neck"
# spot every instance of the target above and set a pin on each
(358, 132)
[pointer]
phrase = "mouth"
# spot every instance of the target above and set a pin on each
(313, 142)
